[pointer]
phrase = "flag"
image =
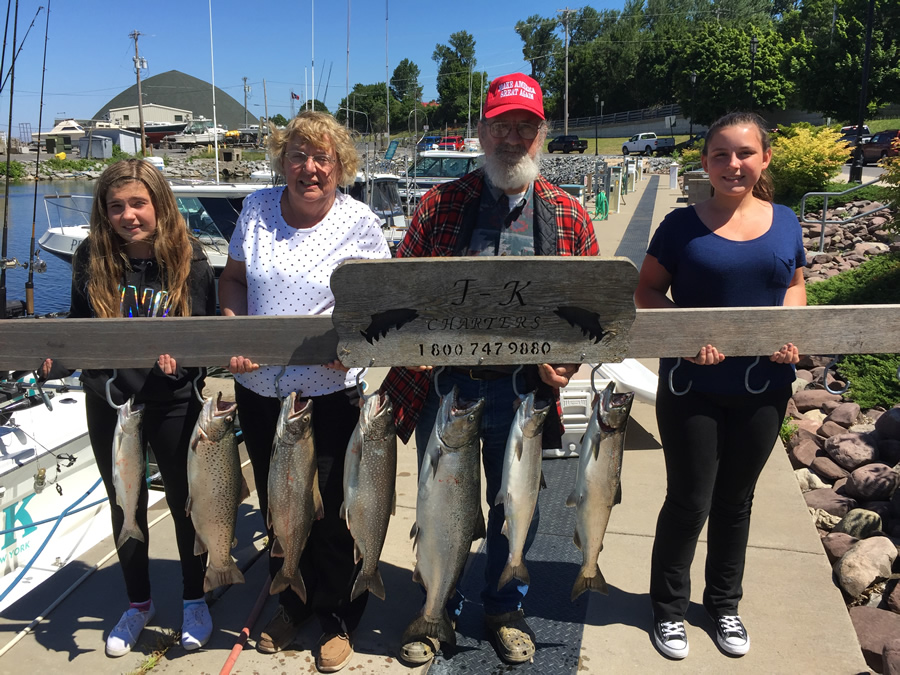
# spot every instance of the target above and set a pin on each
(294, 96)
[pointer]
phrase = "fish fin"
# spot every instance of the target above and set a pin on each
(504, 529)
(543, 481)
(277, 551)
(618, 499)
(593, 583)
(480, 532)
(414, 531)
(572, 499)
(511, 572)
(199, 546)
(129, 533)
(187, 506)
(245, 490)
(417, 578)
(501, 498)
(371, 582)
(343, 512)
(421, 627)
(577, 540)
(357, 552)
(282, 581)
(222, 576)
(317, 497)
(269, 518)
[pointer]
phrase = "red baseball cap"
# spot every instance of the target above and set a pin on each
(514, 92)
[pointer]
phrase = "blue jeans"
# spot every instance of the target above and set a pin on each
(496, 420)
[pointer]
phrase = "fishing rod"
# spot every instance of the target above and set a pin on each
(22, 44)
(29, 285)
(5, 35)
(4, 246)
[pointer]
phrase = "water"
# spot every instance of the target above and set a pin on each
(52, 288)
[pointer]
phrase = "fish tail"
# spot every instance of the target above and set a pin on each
(511, 572)
(282, 581)
(595, 582)
(368, 582)
(129, 532)
(222, 576)
(441, 629)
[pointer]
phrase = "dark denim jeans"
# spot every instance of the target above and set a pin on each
(499, 398)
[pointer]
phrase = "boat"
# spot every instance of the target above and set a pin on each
(197, 132)
(434, 167)
(155, 132)
(381, 191)
(65, 133)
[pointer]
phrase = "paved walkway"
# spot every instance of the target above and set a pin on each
(793, 611)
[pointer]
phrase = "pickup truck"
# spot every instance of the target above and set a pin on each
(648, 143)
(451, 143)
(567, 144)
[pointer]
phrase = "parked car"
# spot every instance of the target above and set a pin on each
(848, 134)
(567, 144)
(452, 143)
(428, 143)
(883, 144)
(648, 143)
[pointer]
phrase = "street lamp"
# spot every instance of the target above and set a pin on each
(693, 98)
(754, 43)
(596, 134)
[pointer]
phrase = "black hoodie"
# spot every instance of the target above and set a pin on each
(144, 281)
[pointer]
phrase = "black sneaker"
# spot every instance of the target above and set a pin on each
(731, 635)
(670, 638)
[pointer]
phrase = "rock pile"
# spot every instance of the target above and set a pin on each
(848, 245)
(847, 462)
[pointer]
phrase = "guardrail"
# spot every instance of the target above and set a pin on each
(620, 117)
(824, 221)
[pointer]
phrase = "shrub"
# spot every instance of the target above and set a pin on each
(805, 159)
(16, 169)
(788, 429)
(891, 176)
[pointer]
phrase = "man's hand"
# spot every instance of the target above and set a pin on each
(241, 364)
(707, 356)
(557, 376)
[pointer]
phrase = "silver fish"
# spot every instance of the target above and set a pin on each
(598, 486)
(370, 476)
(521, 483)
(294, 498)
(448, 513)
(215, 488)
(128, 468)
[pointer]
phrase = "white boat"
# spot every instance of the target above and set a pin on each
(66, 129)
(381, 191)
(197, 132)
(434, 167)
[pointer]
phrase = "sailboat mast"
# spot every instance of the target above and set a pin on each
(312, 41)
(4, 246)
(212, 63)
(387, 77)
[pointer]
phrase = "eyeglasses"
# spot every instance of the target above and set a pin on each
(297, 158)
(526, 130)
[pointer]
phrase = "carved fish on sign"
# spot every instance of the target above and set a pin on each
(382, 322)
(586, 320)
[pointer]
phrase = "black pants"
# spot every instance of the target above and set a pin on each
(327, 562)
(715, 447)
(167, 428)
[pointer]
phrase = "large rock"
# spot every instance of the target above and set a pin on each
(892, 596)
(830, 428)
(890, 658)
(809, 399)
(808, 480)
(895, 505)
(804, 454)
(889, 451)
(859, 523)
(872, 482)
(887, 425)
(875, 629)
(827, 500)
(806, 434)
(864, 563)
(836, 544)
(852, 451)
(827, 470)
(845, 414)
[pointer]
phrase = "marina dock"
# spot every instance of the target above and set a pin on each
(793, 611)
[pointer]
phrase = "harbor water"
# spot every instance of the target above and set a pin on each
(51, 288)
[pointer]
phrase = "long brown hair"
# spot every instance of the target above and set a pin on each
(765, 186)
(172, 243)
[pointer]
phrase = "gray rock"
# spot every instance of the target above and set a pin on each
(875, 629)
(830, 406)
(828, 500)
(892, 596)
(791, 410)
(805, 432)
(882, 507)
(852, 450)
(808, 480)
(823, 520)
(836, 544)
(872, 482)
(803, 455)
(859, 523)
(830, 428)
(810, 399)
(827, 470)
(867, 561)
(888, 424)
(846, 414)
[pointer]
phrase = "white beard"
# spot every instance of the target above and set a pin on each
(508, 172)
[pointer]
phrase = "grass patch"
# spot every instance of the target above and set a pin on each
(163, 644)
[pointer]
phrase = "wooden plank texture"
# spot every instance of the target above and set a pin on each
(298, 340)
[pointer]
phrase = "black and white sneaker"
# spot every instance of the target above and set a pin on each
(670, 638)
(731, 635)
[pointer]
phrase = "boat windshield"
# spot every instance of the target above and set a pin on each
(442, 167)
(386, 198)
(211, 218)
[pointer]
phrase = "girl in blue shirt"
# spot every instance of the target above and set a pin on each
(717, 428)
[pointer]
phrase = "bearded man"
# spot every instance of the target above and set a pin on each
(504, 208)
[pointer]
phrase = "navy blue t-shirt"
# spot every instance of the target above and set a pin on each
(711, 271)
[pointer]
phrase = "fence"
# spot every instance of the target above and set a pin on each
(619, 117)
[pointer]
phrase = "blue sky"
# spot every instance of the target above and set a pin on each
(89, 53)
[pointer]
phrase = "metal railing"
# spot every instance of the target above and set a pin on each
(824, 221)
(620, 117)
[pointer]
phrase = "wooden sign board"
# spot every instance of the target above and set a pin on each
(473, 311)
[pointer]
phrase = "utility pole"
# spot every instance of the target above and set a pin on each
(138, 64)
(266, 108)
(246, 91)
(565, 13)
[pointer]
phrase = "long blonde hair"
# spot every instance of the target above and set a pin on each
(765, 186)
(172, 243)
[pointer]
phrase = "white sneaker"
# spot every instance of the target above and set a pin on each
(731, 635)
(197, 626)
(124, 635)
(670, 638)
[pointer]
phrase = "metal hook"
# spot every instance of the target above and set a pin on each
(200, 374)
(109, 391)
(671, 382)
(434, 379)
(593, 373)
(747, 379)
(361, 385)
(846, 382)
(515, 386)
(278, 383)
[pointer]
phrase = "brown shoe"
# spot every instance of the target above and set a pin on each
(335, 652)
(512, 638)
(278, 634)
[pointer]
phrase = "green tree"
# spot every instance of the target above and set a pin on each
(367, 108)
(456, 61)
(405, 81)
(279, 120)
(540, 43)
(315, 104)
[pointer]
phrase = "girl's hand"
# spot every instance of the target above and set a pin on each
(337, 365)
(45, 368)
(707, 356)
(167, 364)
(419, 369)
(557, 376)
(787, 354)
(241, 364)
